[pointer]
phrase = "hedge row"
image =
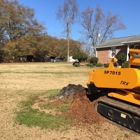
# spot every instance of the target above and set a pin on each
(77, 64)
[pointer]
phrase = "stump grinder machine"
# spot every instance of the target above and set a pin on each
(120, 88)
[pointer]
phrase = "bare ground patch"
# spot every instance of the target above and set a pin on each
(80, 108)
(43, 101)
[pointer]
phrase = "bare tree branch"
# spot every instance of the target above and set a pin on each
(95, 22)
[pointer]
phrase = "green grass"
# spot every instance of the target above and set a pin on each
(63, 108)
(52, 94)
(31, 117)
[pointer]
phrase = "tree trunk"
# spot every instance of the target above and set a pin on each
(68, 38)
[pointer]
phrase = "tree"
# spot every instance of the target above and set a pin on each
(17, 20)
(99, 26)
(18, 28)
(81, 56)
(75, 47)
(67, 14)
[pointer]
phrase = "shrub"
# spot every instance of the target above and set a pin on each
(76, 64)
(121, 57)
(81, 56)
(99, 65)
(94, 60)
(89, 65)
(125, 64)
(106, 65)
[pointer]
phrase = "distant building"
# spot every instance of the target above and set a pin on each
(110, 48)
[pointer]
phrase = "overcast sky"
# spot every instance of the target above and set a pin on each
(129, 10)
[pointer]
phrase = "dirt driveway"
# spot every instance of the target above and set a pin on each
(17, 81)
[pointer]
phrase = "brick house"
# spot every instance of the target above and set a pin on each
(110, 48)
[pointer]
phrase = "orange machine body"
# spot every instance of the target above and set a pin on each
(123, 79)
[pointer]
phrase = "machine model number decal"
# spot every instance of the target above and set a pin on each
(112, 72)
(124, 83)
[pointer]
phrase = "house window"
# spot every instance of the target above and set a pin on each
(112, 52)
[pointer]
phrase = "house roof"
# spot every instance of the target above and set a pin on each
(119, 41)
(135, 39)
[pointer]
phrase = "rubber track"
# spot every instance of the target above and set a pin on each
(124, 106)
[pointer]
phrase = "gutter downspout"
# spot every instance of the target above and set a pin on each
(127, 53)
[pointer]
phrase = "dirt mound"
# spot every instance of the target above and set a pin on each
(83, 109)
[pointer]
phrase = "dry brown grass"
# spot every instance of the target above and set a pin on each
(17, 81)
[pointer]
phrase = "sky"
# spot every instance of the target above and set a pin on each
(128, 10)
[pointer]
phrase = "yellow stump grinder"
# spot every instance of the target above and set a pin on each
(121, 87)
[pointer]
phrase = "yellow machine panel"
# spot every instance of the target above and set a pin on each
(115, 78)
